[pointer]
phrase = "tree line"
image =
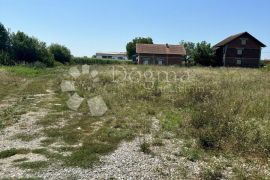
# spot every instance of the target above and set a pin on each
(19, 48)
(197, 53)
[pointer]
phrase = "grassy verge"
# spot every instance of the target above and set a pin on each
(222, 111)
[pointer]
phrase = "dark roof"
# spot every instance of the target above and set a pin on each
(233, 37)
(160, 49)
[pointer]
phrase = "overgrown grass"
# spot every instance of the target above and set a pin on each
(18, 86)
(231, 112)
(223, 110)
(23, 70)
(20, 160)
(37, 165)
(12, 152)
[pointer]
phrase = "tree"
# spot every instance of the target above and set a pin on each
(203, 54)
(190, 47)
(4, 38)
(60, 53)
(4, 46)
(131, 46)
(29, 49)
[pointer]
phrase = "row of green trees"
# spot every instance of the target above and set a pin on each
(197, 53)
(19, 48)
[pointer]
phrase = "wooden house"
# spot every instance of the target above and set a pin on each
(242, 50)
(160, 54)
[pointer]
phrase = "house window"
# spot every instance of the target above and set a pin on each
(243, 41)
(160, 61)
(238, 62)
(239, 51)
(145, 60)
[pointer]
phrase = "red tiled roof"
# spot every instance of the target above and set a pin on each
(233, 37)
(160, 49)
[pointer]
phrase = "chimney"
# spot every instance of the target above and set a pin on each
(167, 45)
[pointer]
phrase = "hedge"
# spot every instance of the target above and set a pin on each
(89, 61)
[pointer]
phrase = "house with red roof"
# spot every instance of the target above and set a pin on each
(160, 54)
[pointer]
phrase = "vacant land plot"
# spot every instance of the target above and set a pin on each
(160, 123)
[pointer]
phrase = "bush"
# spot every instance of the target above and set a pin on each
(39, 65)
(203, 54)
(29, 49)
(89, 61)
(60, 53)
(5, 58)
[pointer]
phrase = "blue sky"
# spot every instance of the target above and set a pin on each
(88, 26)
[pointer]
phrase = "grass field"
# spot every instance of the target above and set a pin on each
(215, 112)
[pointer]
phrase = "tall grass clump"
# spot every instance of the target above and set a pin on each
(231, 111)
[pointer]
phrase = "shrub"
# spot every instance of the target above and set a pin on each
(39, 64)
(60, 53)
(5, 58)
(203, 54)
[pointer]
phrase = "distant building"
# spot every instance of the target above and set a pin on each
(242, 50)
(160, 54)
(112, 55)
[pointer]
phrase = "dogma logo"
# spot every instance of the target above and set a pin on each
(97, 105)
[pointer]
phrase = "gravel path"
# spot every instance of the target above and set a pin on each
(128, 162)
(26, 125)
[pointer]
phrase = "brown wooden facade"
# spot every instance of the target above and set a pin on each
(241, 50)
(160, 54)
(159, 59)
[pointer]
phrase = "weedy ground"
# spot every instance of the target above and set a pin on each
(221, 116)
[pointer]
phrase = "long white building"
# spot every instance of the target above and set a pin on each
(112, 55)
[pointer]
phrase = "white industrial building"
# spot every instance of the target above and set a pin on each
(112, 55)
